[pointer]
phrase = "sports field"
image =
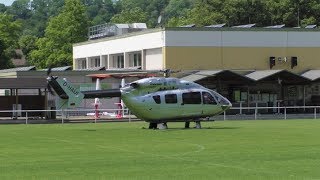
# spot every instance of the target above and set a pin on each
(265, 149)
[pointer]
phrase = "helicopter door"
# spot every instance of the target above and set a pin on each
(191, 103)
(210, 105)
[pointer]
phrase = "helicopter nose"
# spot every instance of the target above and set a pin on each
(226, 106)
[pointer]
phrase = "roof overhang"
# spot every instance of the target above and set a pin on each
(23, 83)
(282, 76)
(313, 75)
(203, 74)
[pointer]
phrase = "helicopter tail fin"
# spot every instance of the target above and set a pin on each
(69, 96)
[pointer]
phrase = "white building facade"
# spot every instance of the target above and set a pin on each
(143, 49)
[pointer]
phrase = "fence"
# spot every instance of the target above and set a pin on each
(234, 113)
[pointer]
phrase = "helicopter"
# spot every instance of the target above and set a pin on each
(156, 100)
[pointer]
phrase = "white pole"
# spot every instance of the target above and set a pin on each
(26, 117)
(315, 113)
(255, 113)
(224, 115)
(62, 121)
(285, 113)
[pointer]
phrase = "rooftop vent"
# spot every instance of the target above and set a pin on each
(312, 26)
(216, 25)
(276, 26)
(244, 26)
(189, 25)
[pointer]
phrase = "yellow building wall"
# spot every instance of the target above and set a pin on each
(246, 58)
(190, 58)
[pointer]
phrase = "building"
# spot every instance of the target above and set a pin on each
(205, 48)
(25, 88)
(251, 66)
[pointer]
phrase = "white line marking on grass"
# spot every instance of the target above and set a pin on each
(198, 146)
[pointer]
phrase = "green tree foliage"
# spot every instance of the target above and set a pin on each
(9, 34)
(152, 8)
(262, 13)
(5, 62)
(9, 30)
(205, 12)
(27, 43)
(100, 11)
(51, 39)
(178, 8)
(3, 8)
(20, 9)
(69, 27)
(42, 11)
(130, 16)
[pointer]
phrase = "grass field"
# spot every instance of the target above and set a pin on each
(266, 149)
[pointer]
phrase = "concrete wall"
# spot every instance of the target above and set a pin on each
(154, 59)
(241, 49)
(205, 48)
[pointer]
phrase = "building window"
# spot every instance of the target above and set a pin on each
(83, 64)
(171, 98)
(137, 59)
(96, 62)
(120, 61)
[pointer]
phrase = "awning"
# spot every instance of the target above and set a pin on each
(259, 75)
(201, 75)
(224, 75)
(281, 76)
(29, 68)
(23, 83)
(313, 75)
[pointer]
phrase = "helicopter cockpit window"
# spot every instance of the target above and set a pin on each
(157, 99)
(220, 99)
(171, 98)
(208, 98)
(191, 98)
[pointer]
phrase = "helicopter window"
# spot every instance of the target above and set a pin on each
(157, 99)
(171, 98)
(191, 98)
(220, 99)
(208, 98)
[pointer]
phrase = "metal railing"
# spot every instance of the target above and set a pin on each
(234, 113)
(67, 114)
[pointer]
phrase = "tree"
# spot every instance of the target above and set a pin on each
(9, 34)
(152, 9)
(27, 43)
(206, 12)
(178, 8)
(100, 11)
(5, 62)
(3, 8)
(69, 27)
(42, 11)
(130, 16)
(20, 9)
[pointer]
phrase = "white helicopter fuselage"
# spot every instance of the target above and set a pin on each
(154, 100)
(171, 99)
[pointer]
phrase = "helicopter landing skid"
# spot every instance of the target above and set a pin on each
(152, 125)
(198, 125)
(162, 126)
